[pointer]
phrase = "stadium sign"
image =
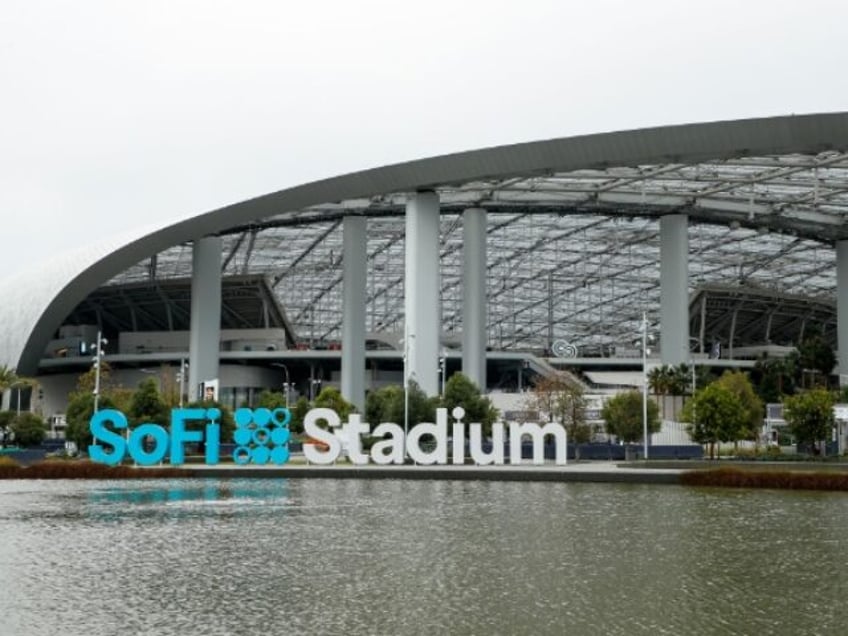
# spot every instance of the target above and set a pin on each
(262, 436)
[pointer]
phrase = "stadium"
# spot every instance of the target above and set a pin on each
(725, 240)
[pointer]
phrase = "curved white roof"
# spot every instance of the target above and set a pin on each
(783, 174)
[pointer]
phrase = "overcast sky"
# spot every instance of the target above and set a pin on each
(117, 113)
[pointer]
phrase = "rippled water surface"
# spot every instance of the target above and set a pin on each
(413, 557)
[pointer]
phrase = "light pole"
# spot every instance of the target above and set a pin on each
(694, 383)
(694, 388)
(98, 356)
(645, 386)
(406, 349)
(443, 366)
(182, 382)
(287, 383)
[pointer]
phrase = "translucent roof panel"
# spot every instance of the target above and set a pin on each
(571, 256)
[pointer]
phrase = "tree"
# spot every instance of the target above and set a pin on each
(271, 400)
(660, 382)
(716, 414)
(81, 404)
(421, 407)
(461, 391)
(88, 380)
(774, 377)
(384, 405)
(78, 416)
(121, 399)
(29, 429)
(623, 416)
(667, 380)
(331, 398)
(9, 379)
(170, 385)
(387, 405)
(809, 415)
(146, 405)
(738, 383)
(301, 408)
(680, 379)
(564, 402)
(815, 354)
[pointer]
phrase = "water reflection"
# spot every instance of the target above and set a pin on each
(327, 556)
(185, 498)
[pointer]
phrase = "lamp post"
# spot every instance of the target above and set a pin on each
(287, 383)
(645, 385)
(443, 367)
(182, 380)
(406, 349)
(312, 383)
(694, 382)
(98, 356)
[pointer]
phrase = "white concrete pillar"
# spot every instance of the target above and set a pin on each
(354, 279)
(474, 296)
(205, 337)
(674, 289)
(842, 311)
(423, 320)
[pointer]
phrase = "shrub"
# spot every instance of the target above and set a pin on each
(5, 460)
(785, 479)
(53, 469)
(29, 429)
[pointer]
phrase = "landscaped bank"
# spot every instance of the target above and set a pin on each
(730, 477)
(71, 469)
(798, 477)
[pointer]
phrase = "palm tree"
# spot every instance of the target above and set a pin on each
(656, 380)
(9, 379)
(660, 379)
(679, 383)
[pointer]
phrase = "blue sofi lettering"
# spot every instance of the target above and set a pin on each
(98, 429)
(159, 437)
(213, 443)
(180, 435)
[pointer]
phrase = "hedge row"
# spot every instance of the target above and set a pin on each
(63, 469)
(729, 477)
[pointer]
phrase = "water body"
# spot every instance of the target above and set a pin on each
(395, 557)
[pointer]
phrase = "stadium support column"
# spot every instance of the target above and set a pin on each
(354, 276)
(423, 319)
(205, 337)
(674, 289)
(474, 296)
(842, 310)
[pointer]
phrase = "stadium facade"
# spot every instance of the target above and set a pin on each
(729, 237)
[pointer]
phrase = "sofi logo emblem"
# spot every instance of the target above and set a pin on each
(261, 436)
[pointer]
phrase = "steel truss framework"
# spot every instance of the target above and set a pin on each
(572, 256)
